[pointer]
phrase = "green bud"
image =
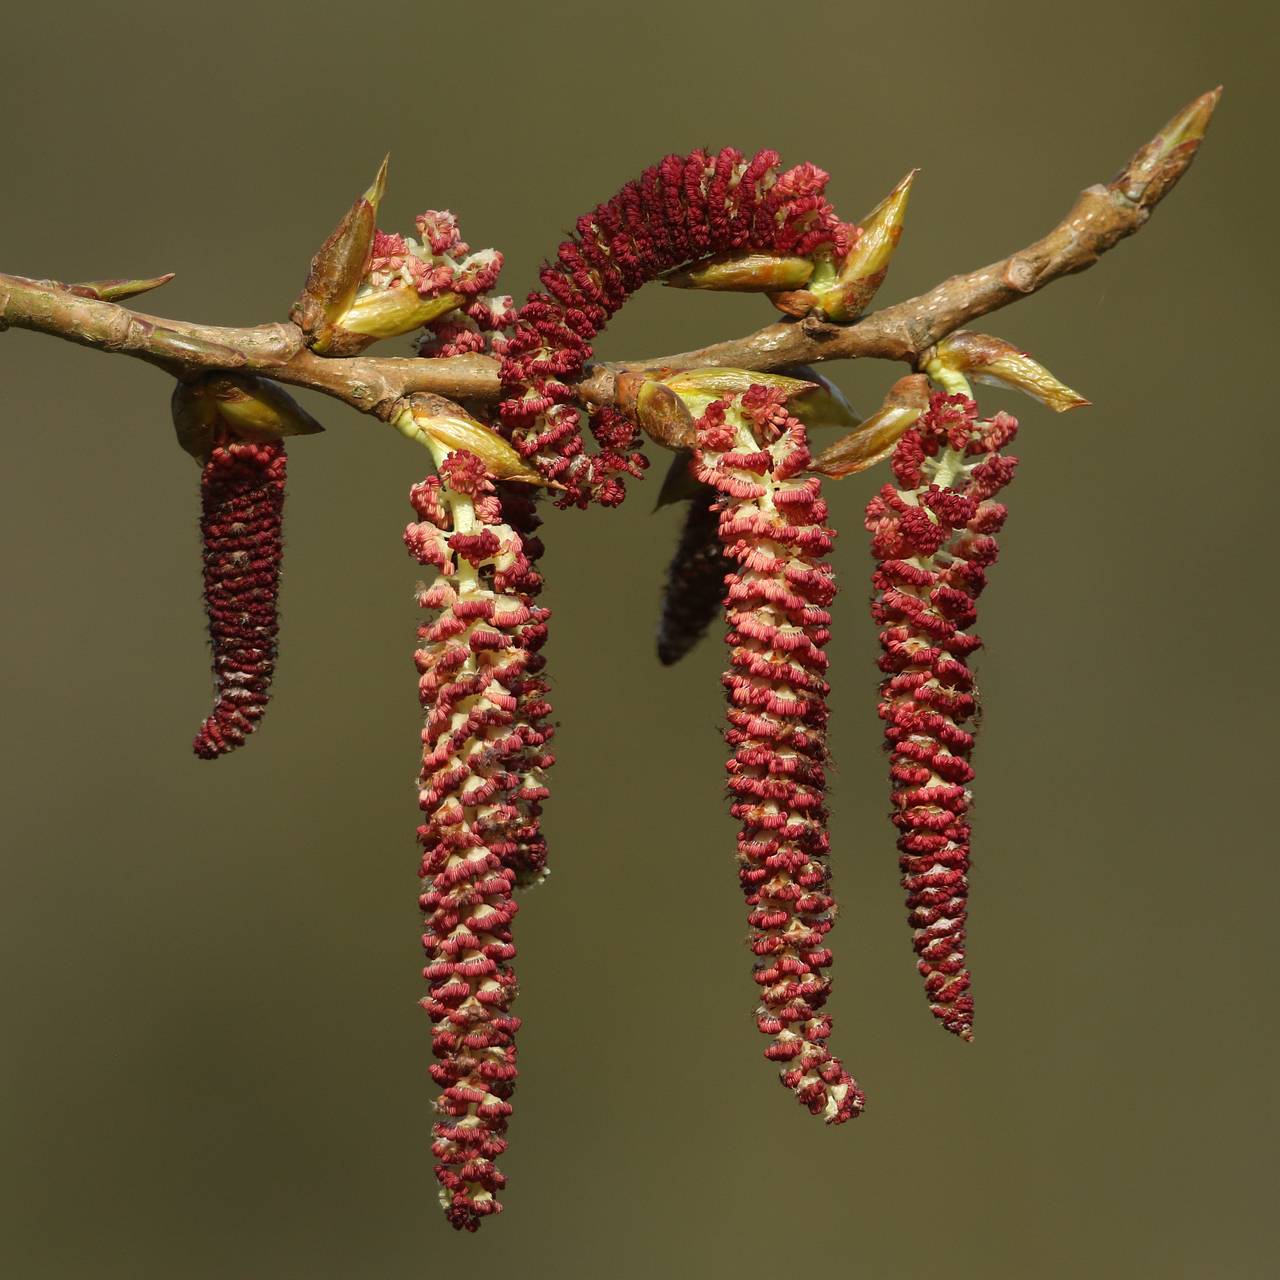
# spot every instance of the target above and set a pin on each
(257, 409)
(992, 360)
(433, 418)
(241, 405)
(118, 290)
(743, 273)
(699, 387)
(867, 263)
(384, 313)
(874, 440)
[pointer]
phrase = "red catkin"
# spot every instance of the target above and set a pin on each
(486, 735)
(777, 602)
(479, 789)
(685, 208)
(933, 539)
(242, 509)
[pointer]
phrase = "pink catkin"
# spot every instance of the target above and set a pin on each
(777, 608)
(242, 509)
(933, 536)
(480, 789)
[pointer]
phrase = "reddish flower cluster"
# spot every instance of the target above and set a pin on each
(444, 263)
(933, 536)
(480, 789)
(685, 208)
(755, 538)
(771, 525)
(242, 508)
(527, 855)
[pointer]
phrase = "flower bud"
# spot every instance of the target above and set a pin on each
(388, 313)
(257, 409)
(240, 405)
(1156, 166)
(699, 387)
(118, 290)
(743, 273)
(433, 418)
(992, 360)
(339, 267)
(874, 440)
(867, 263)
(664, 415)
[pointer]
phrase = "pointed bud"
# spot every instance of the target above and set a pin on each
(874, 440)
(256, 409)
(718, 382)
(992, 360)
(118, 290)
(385, 313)
(243, 406)
(699, 387)
(867, 263)
(433, 418)
(1156, 166)
(339, 267)
(743, 273)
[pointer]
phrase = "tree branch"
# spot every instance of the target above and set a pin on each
(1101, 217)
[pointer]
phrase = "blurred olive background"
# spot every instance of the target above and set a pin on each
(214, 1066)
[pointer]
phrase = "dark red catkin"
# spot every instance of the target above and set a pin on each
(242, 509)
(694, 589)
(933, 536)
(772, 525)
(683, 209)
(479, 660)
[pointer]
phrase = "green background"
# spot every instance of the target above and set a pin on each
(214, 1066)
